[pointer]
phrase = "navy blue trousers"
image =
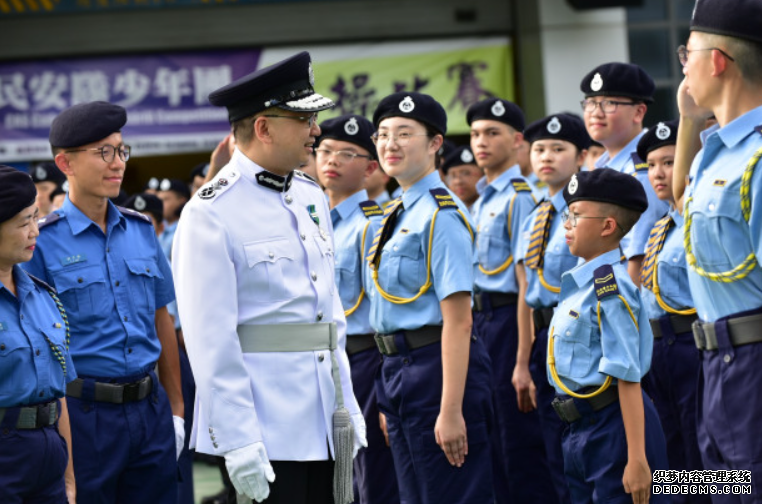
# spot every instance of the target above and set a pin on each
(551, 426)
(124, 453)
(375, 478)
(409, 394)
(32, 463)
(595, 454)
(672, 383)
(520, 467)
(185, 462)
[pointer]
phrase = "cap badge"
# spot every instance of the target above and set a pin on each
(140, 204)
(153, 183)
(662, 131)
(166, 185)
(554, 126)
(407, 105)
(351, 127)
(498, 109)
(573, 184)
(40, 173)
(597, 83)
(311, 74)
(466, 156)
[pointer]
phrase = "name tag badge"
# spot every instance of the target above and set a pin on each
(73, 259)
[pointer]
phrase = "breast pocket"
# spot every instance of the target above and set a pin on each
(17, 366)
(348, 278)
(718, 213)
(411, 274)
(267, 261)
(572, 347)
(327, 259)
(143, 275)
(83, 290)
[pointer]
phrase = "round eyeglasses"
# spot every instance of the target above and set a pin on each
(108, 152)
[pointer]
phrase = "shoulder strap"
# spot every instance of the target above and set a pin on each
(132, 213)
(371, 209)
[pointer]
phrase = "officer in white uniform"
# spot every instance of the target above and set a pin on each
(264, 327)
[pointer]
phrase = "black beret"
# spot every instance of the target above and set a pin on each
(145, 202)
(559, 127)
(607, 186)
(288, 84)
(421, 107)
(619, 79)
(459, 156)
(200, 170)
(47, 171)
(120, 198)
(175, 185)
(17, 192)
(734, 18)
(349, 128)
(664, 133)
(496, 109)
(86, 123)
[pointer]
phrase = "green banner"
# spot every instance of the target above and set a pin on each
(456, 78)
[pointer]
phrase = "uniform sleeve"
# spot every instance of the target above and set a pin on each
(165, 288)
(638, 235)
(523, 242)
(452, 247)
(523, 204)
(205, 275)
(755, 219)
(620, 337)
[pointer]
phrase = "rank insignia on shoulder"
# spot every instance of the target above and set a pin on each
(133, 213)
(370, 208)
(605, 282)
(758, 129)
(719, 183)
(48, 220)
(443, 198)
(207, 192)
(520, 185)
(639, 164)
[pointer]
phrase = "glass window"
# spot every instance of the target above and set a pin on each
(651, 10)
(650, 49)
(664, 107)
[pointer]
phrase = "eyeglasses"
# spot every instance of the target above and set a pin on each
(401, 139)
(343, 155)
(108, 152)
(607, 106)
(682, 53)
(573, 218)
(310, 119)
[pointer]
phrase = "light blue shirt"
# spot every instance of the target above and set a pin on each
(539, 188)
(721, 237)
(349, 223)
(671, 273)
(403, 261)
(110, 285)
(30, 323)
(166, 237)
(498, 233)
(557, 258)
(585, 354)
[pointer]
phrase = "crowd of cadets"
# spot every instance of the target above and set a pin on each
(547, 315)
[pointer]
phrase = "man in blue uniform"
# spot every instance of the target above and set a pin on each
(501, 315)
(115, 283)
(722, 63)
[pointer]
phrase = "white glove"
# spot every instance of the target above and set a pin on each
(361, 440)
(250, 471)
(179, 434)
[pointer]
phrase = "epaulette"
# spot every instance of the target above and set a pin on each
(443, 198)
(39, 282)
(133, 213)
(605, 282)
(640, 165)
(300, 173)
(48, 220)
(520, 185)
(758, 129)
(217, 186)
(371, 209)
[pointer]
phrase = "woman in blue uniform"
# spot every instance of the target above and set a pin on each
(434, 381)
(35, 439)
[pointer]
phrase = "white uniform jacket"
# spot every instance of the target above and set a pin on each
(253, 248)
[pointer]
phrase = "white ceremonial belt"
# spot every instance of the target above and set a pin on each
(287, 337)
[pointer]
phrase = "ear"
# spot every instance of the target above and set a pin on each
(609, 227)
(262, 130)
(640, 112)
(436, 143)
(518, 139)
(62, 162)
(581, 158)
(372, 167)
(719, 63)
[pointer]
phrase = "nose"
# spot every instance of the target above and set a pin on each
(34, 229)
(315, 129)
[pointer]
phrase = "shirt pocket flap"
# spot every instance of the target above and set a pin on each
(267, 251)
(143, 267)
(408, 247)
(9, 345)
(78, 278)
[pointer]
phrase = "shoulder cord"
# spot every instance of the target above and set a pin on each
(349, 312)
(53, 347)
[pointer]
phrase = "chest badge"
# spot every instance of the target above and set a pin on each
(73, 259)
(719, 183)
(313, 214)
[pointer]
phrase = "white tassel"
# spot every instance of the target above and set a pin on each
(343, 444)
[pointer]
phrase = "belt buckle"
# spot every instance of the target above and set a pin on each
(558, 406)
(43, 415)
(478, 301)
(131, 391)
(380, 344)
(698, 334)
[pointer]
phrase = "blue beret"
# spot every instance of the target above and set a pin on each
(288, 84)
(86, 123)
(664, 133)
(559, 127)
(605, 185)
(421, 107)
(349, 128)
(47, 171)
(17, 192)
(496, 109)
(734, 18)
(145, 202)
(459, 156)
(175, 185)
(619, 79)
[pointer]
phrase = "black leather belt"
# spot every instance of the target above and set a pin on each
(679, 323)
(115, 393)
(36, 416)
(542, 317)
(568, 412)
(743, 331)
(357, 343)
(493, 299)
(416, 338)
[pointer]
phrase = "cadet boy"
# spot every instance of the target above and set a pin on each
(558, 147)
(723, 75)
(174, 194)
(501, 315)
(461, 173)
(263, 323)
(114, 283)
(616, 99)
(599, 348)
(47, 178)
(346, 157)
